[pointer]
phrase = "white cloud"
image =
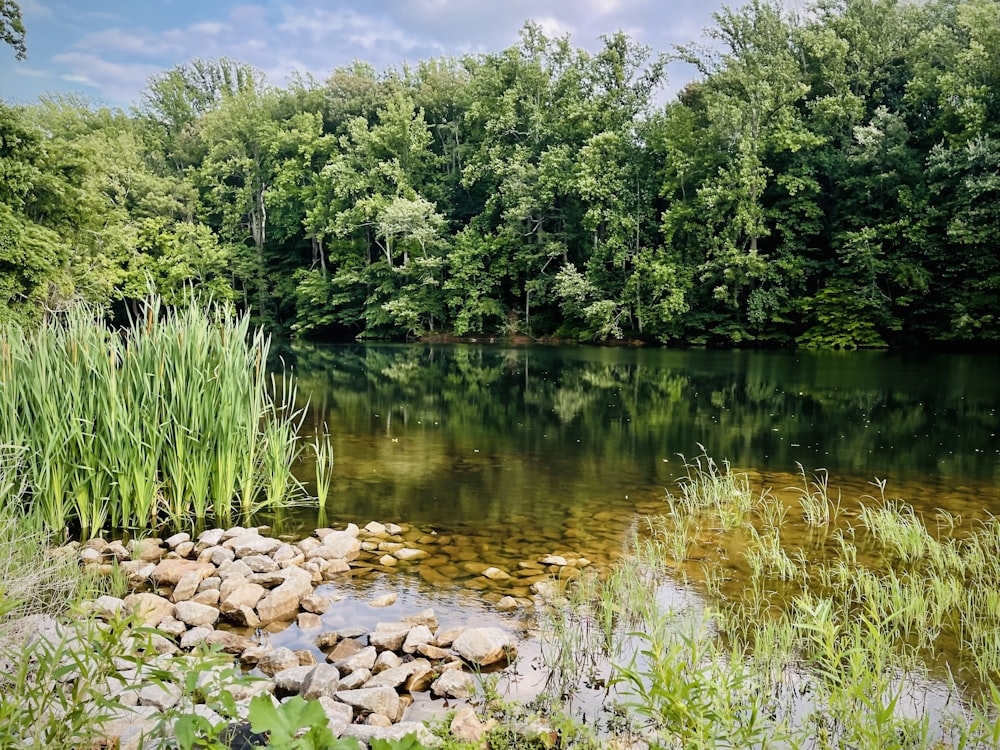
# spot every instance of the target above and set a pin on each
(24, 70)
(116, 81)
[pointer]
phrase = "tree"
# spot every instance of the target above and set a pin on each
(12, 28)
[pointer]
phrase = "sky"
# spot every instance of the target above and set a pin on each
(108, 49)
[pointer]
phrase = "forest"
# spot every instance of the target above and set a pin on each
(830, 179)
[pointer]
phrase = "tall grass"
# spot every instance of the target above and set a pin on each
(173, 417)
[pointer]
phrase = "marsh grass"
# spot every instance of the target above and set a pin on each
(878, 634)
(174, 417)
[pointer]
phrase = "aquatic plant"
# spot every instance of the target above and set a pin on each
(170, 418)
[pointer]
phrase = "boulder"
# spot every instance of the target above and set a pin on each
(169, 572)
(383, 701)
(196, 615)
(289, 681)
(483, 646)
(187, 586)
(389, 636)
(418, 636)
(150, 609)
(453, 683)
(323, 680)
(338, 545)
(338, 715)
(239, 592)
(253, 543)
(386, 600)
(364, 658)
(276, 660)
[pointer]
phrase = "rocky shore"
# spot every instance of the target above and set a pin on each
(227, 589)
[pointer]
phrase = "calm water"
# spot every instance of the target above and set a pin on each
(497, 455)
(452, 436)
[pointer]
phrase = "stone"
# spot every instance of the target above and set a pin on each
(283, 601)
(194, 637)
(239, 592)
(386, 660)
(327, 640)
(453, 684)
(508, 604)
(374, 528)
(308, 621)
(392, 735)
(323, 680)
(335, 569)
(484, 646)
(196, 615)
(392, 678)
(417, 636)
(210, 537)
(388, 561)
(378, 720)
(117, 551)
(159, 644)
(421, 676)
(187, 586)
(466, 726)
(338, 545)
(306, 657)
(172, 627)
(252, 543)
(343, 650)
(315, 603)
(338, 715)
(107, 607)
(169, 572)
(386, 600)
(553, 560)
(495, 574)
(389, 636)
(209, 598)
(254, 654)
(260, 564)
(364, 658)
(150, 609)
(177, 539)
(245, 616)
(217, 555)
(231, 643)
(90, 555)
(424, 617)
(160, 697)
(373, 701)
(277, 660)
(446, 637)
(355, 679)
(409, 554)
(289, 681)
(432, 652)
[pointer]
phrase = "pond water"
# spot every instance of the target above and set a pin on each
(497, 455)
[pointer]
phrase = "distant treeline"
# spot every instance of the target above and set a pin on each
(832, 179)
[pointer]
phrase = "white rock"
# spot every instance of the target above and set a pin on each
(483, 646)
(323, 680)
(417, 636)
(386, 600)
(373, 700)
(196, 615)
(453, 684)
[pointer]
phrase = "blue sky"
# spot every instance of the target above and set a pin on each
(107, 49)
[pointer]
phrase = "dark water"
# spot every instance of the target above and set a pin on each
(545, 437)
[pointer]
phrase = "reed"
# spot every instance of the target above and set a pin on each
(169, 419)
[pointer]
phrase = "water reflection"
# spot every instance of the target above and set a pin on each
(541, 438)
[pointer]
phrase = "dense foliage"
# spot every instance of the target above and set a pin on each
(832, 179)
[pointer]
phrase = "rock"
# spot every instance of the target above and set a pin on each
(254, 654)
(355, 679)
(343, 650)
(210, 537)
(553, 560)
(196, 615)
(239, 592)
(408, 554)
(260, 564)
(466, 726)
(338, 545)
(180, 538)
(277, 660)
(315, 603)
(372, 701)
(386, 660)
(147, 550)
(388, 561)
(547, 589)
(393, 734)
(386, 600)
(150, 609)
(187, 586)
(283, 601)
(308, 621)
(137, 570)
(160, 697)
(424, 617)
(508, 604)
(432, 652)
(162, 645)
(392, 678)
(483, 646)
(169, 572)
(495, 574)
(217, 555)
(417, 636)
(245, 616)
(378, 720)
(445, 638)
(252, 543)
(362, 659)
(289, 681)
(194, 637)
(90, 555)
(306, 657)
(107, 607)
(323, 680)
(389, 636)
(421, 676)
(374, 528)
(117, 551)
(338, 715)
(231, 643)
(327, 640)
(453, 684)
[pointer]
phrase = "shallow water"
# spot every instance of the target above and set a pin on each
(500, 455)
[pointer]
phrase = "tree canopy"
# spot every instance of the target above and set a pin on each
(831, 179)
